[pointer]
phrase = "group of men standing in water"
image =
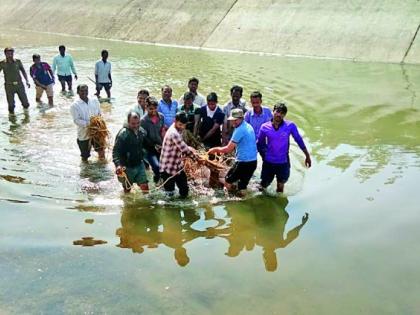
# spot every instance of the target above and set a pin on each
(43, 76)
(154, 131)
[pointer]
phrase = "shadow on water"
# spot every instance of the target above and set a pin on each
(96, 171)
(258, 223)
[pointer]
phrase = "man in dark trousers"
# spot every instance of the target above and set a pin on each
(12, 80)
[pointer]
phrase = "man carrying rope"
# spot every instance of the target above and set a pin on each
(127, 154)
(171, 159)
(82, 111)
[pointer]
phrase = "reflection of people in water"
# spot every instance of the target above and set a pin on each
(260, 222)
(141, 229)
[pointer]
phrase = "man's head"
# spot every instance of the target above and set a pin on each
(83, 91)
(62, 50)
(36, 58)
(236, 117)
(166, 93)
(236, 94)
(256, 99)
(152, 105)
(212, 101)
(8, 52)
(279, 111)
(181, 121)
(142, 95)
(104, 54)
(188, 99)
(193, 85)
(133, 121)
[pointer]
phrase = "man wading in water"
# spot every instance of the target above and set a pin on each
(103, 77)
(243, 140)
(273, 145)
(82, 110)
(43, 77)
(171, 159)
(65, 67)
(12, 80)
(127, 154)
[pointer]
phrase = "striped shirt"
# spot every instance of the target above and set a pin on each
(173, 148)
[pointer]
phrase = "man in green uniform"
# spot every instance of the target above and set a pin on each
(12, 80)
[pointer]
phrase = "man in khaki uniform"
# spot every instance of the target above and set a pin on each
(12, 80)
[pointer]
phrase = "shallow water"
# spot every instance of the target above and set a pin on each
(357, 252)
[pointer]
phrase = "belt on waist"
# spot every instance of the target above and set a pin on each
(13, 83)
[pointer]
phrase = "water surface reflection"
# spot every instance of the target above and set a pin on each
(259, 223)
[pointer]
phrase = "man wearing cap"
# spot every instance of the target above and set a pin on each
(243, 140)
(43, 77)
(273, 144)
(12, 80)
(81, 111)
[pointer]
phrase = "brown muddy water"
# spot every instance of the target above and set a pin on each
(71, 242)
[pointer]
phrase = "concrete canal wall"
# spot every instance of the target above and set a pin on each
(362, 30)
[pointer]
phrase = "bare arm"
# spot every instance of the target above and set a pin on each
(73, 68)
(22, 69)
(109, 74)
(54, 66)
(51, 73)
(298, 138)
(226, 149)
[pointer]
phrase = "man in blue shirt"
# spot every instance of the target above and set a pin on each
(258, 114)
(43, 77)
(168, 107)
(65, 67)
(243, 140)
(273, 144)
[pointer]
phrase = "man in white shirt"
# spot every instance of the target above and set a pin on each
(82, 110)
(103, 77)
(65, 67)
(199, 99)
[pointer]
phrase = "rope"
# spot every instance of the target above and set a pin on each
(127, 184)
